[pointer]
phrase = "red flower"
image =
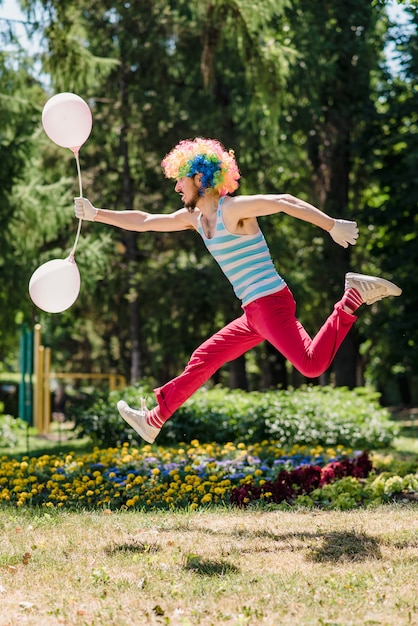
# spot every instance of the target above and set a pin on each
(327, 476)
(302, 480)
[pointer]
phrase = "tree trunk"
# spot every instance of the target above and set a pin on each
(332, 167)
(238, 374)
(345, 363)
(273, 368)
(131, 249)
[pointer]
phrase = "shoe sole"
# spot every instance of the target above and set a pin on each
(393, 290)
(121, 405)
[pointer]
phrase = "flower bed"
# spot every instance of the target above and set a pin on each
(303, 480)
(193, 475)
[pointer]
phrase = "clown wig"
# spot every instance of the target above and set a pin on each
(207, 157)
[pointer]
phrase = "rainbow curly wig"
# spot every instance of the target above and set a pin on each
(208, 157)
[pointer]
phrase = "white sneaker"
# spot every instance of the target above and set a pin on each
(371, 288)
(137, 420)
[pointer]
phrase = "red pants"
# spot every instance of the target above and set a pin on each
(270, 318)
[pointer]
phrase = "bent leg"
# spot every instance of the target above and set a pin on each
(226, 345)
(274, 318)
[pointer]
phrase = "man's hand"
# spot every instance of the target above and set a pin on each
(84, 210)
(344, 233)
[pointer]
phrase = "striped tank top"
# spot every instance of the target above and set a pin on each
(244, 259)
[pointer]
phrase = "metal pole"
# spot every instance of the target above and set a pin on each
(46, 391)
(29, 374)
(23, 367)
(40, 389)
(36, 389)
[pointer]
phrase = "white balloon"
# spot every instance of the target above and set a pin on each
(55, 285)
(67, 120)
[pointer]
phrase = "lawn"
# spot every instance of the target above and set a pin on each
(217, 566)
(214, 565)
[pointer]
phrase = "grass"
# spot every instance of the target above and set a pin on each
(217, 566)
(61, 438)
(213, 567)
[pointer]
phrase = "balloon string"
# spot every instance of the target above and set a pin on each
(77, 160)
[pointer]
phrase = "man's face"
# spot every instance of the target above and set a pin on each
(189, 188)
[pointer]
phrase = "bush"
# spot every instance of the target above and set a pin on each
(312, 415)
(10, 427)
(97, 416)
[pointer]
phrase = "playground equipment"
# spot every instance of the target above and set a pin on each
(26, 371)
(36, 378)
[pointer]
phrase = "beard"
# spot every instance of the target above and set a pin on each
(192, 203)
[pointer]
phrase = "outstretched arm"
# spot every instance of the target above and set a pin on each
(246, 207)
(139, 221)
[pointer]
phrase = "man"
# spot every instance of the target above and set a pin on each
(205, 174)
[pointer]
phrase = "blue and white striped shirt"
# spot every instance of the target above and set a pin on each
(244, 259)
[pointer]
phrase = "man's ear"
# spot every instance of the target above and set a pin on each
(198, 178)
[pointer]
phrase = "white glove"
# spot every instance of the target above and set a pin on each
(84, 210)
(344, 232)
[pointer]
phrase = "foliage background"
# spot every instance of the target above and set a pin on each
(313, 416)
(303, 93)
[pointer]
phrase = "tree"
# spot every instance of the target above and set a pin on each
(339, 47)
(151, 44)
(292, 87)
(392, 203)
(19, 100)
